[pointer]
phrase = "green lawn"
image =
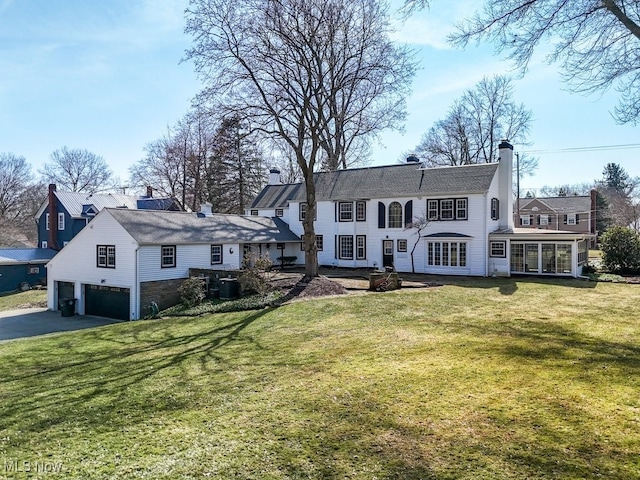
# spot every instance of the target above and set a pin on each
(481, 379)
(10, 301)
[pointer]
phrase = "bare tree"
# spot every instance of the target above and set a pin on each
(475, 124)
(596, 42)
(20, 197)
(420, 222)
(320, 76)
(77, 170)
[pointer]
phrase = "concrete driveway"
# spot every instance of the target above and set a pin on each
(30, 322)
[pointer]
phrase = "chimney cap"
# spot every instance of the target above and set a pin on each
(413, 159)
(274, 170)
(505, 144)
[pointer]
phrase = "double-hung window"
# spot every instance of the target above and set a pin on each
(498, 249)
(495, 209)
(361, 211)
(345, 211)
(361, 247)
(106, 256)
(402, 245)
(216, 254)
(61, 221)
(345, 247)
(167, 256)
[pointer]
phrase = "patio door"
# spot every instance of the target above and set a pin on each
(387, 253)
(531, 257)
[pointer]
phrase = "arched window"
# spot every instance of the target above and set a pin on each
(395, 215)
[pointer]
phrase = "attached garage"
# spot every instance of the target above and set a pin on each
(110, 302)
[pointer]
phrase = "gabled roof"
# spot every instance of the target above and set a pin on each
(155, 227)
(79, 204)
(388, 181)
(26, 255)
(568, 204)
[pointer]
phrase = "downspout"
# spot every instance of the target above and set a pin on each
(136, 284)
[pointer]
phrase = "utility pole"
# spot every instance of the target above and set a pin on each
(517, 219)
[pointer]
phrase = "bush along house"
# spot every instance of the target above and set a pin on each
(368, 217)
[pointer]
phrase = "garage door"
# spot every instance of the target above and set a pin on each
(111, 302)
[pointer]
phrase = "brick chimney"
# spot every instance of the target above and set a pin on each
(53, 218)
(149, 191)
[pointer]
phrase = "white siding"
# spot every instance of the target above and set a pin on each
(77, 262)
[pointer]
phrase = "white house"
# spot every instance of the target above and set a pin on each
(125, 259)
(365, 218)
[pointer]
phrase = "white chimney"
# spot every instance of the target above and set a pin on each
(274, 177)
(206, 208)
(505, 180)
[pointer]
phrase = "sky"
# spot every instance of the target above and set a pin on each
(108, 76)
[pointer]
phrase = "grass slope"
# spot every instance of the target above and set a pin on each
(486, 379)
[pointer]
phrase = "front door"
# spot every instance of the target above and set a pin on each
(387, 253)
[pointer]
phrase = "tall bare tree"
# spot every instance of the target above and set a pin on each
(474, 126)
(321, 76)
(77, 170)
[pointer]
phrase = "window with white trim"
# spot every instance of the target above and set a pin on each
(395, 215)
(447, 254)
(345, 211)
(345, 247)
(361, 211)
(498, 249)
(106, 256)
(448, 209)
(402, 245)
(361, 247)
(45, 244)
(571, 219)
(279, 212)
(525, 220)
(543, 220)
(47, 223)
(167, 256)
(61, 221)
(254, 213)
(319, 242)
(216, 254)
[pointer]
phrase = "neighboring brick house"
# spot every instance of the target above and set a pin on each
(574, 213)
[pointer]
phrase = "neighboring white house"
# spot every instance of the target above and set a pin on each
(365, 218)
(125, 259)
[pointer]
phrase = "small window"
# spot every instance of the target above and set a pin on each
(395, 215)
(525, 220)
(361, 211)
(543, 220)
(254, 213)
(319, 242)
(64, 244)
(571, 219)
(279, 212)
(432, 209)
(361, 247)
(498, 249)
(216, 254)
(402, 245)
(345, 211)
(495, 209)
(167, 256)
(34, 270)
(46, 221)
(106, 256)
(461, 208)
(61, 221)
(345, 247)
(44, 244)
